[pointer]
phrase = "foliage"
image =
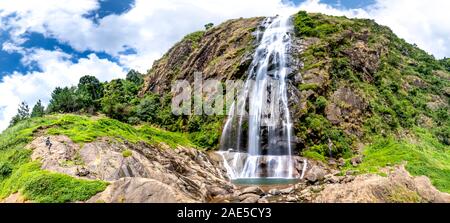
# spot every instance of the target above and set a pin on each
(43, 186)
(38, 110)
(119, 99)
(64, 100)
(127, 153)
(209, 25)
(23, 112)
(19, 174)
(89, 93)
(148, 107)
(135, 77)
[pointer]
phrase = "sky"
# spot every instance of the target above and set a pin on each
(50, 43)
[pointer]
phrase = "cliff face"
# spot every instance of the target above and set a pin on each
(222, 52)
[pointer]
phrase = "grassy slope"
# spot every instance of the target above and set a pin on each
(424, 155)
(19, 174)
(394, 111)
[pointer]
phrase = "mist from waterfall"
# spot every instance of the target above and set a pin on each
(256, 140)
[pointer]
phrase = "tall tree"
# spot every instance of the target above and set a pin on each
(89, 93)
(135, 77)
(38, 110)
(64, 100)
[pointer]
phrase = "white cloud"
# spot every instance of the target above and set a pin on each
(57, 70)
(152, 26)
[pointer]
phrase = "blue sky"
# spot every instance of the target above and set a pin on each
(11, 61)
(49, 43)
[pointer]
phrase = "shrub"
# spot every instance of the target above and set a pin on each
(127, 153)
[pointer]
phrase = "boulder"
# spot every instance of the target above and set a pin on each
(139, 190)
(252, 190)
(316, 173)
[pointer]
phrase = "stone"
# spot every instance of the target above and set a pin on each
(315, 174)
(356, 160)
(274, 191)
(332, 162)
(190, 174)
(398, 186)
(341, 162)
(139, 190)
(216, 191)
(291, 199)
(252, 190)
(249, 198)
(288, 190)
(263, 201)
(333, 179)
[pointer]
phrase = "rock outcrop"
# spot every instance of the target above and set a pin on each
(180, 175)
(398, 186)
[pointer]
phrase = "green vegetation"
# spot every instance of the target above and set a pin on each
(127, 153)
(194, 38)
(424, 155)
(38, 110)
(23, 113)
(401, 84)
(19, 174)
(43, 186)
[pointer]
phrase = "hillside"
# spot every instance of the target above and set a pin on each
(369, 109)
(353, 82)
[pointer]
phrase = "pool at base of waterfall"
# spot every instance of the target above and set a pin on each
(264, 181)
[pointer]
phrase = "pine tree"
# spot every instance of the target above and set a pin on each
(22, 113)
(38, 110)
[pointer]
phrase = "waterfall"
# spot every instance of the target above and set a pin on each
(257, 137)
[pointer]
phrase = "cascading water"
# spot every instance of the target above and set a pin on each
(256, 140)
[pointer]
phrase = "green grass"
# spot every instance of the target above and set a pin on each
(83, 129)
(426, 157)
(19, 174)
(43, 186)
